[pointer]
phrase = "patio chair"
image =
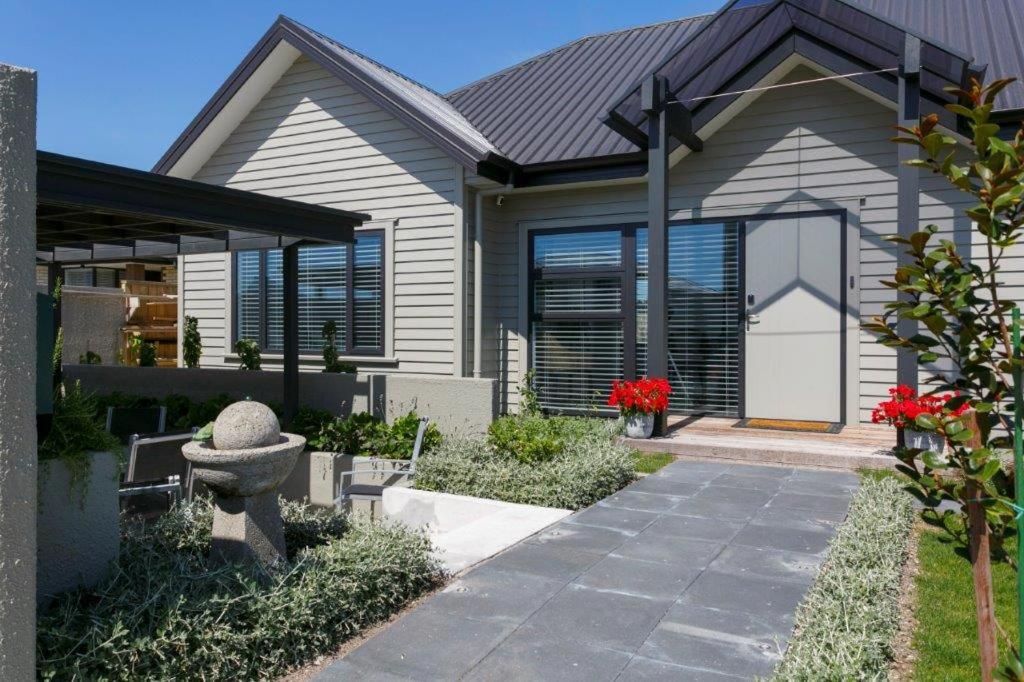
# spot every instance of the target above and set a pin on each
(372, 492)
(124, 422)
(158, 474)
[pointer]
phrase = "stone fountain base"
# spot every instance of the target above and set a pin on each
(248, 529)
(247, 524)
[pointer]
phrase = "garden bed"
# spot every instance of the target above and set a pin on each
(551, 462)
(847, 623)
(164, 615)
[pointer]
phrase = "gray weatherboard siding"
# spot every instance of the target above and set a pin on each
(312, 138)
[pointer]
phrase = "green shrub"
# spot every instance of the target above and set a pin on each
(364, 434)
(76, 431)
(533, 438)
(846, 623)
(90, 358)
(164, 614)
(249, 355)
(309, 422)
(585, 471)
(191, 342)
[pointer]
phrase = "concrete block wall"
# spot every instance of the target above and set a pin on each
(458, 405)
(92, 319)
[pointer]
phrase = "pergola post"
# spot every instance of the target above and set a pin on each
(18, 446)
(290, 258)
(653, 96)
(908, 182)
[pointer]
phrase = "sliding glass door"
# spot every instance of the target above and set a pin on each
(589, 315)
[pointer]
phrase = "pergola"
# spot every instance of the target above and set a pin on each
(88, 211)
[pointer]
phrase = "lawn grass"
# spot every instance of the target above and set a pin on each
(649, 462)
(946, 639)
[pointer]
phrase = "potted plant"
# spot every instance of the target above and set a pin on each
(638, 402)
(902, 410)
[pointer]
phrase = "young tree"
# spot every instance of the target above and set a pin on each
(963, 317)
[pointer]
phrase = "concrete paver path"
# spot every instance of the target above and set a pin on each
(693, 573)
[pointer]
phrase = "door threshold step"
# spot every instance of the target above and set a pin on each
(767, 451)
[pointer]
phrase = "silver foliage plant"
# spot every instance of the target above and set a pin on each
(847, 622)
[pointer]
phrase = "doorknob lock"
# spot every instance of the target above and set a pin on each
(752, 319)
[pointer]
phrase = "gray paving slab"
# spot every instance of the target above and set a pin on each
(581, 538)
(641, 669)
(781, 537)
(692, 573)
(531, 654)
(767, 563)
(628, 575)
(611, 620)
(640, 501)
(429, 644)
(492, 593)
(628, 520)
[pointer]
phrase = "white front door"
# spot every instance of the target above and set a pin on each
(793, 288)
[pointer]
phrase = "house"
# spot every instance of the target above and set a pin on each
(703, 199)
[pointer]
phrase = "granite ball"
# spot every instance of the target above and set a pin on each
(244, 425)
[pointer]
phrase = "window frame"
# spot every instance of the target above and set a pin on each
(350, 350)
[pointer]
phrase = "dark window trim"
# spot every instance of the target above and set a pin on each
(350, 349)
(628, 274)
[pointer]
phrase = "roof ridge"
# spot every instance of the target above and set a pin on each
(368, 58)
(559, 48)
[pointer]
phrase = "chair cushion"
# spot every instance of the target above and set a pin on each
(363, 489)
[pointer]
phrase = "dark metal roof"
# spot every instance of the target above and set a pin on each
(548, 109)
(419, 107)
(88, 210)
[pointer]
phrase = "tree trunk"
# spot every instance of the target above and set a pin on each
(981, 567)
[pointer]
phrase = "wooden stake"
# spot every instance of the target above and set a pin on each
(981, 566)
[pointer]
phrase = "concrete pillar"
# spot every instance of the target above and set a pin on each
(18, 453)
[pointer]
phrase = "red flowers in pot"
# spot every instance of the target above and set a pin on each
(643, 396)
(905, 405)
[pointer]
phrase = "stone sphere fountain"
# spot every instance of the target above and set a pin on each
(243, 465)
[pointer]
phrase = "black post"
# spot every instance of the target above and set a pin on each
(908, 184)
(653, 96)
(290, 269)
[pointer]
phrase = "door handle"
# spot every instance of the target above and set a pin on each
(752, 319)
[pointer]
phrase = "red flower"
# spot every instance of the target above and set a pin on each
(643, 396)
(905, 406)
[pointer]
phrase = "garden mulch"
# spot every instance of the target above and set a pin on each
(694, 572)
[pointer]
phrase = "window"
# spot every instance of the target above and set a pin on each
(343, 283)
(588, 314)
(91, 277)
(578, 322)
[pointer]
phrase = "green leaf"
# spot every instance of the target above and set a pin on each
(988, 470)
(934, 460)
(926, 422)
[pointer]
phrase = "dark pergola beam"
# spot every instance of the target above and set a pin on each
(680, 125)
(908, 182)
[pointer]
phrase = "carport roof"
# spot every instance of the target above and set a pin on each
(88, 211)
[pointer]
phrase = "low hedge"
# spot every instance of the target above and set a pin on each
(588, 467)
(846, 623)
(164, 614)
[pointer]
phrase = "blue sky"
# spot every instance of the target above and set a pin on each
(119, 80)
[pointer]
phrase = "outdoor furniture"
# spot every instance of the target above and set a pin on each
(124, 422)
(372, 492)
(156, 470)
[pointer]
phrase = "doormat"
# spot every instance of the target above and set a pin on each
(788, 425)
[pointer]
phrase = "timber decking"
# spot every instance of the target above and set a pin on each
(856, 446)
